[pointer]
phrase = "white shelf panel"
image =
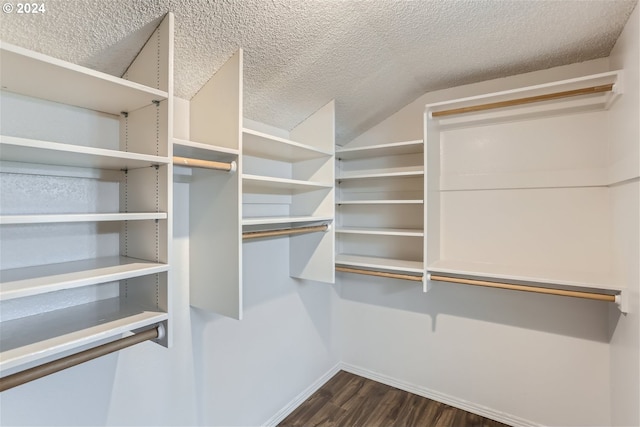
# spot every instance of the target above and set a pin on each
(31, 73)
(566, 279)
(270, 185)
(24, 150)
(381, 150)
(36, 337)
(24, 282)
(258, 144)
(380, 263)
(380, 202)
(93, 217)
(406, 171)
(381, 231)
(284, 220)
(200, 150)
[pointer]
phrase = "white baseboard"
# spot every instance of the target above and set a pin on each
(440, 397)
(304, 395)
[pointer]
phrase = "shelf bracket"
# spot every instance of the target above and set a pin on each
(622, 301)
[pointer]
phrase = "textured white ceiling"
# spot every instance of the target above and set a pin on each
(373, 57)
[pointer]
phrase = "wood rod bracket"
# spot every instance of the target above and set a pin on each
(380, 273)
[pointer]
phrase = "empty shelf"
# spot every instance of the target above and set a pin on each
(406, 171)
(380, 202)
(200, 150)
(30, 73)
(284, 220)
(25, 150)
(381, 150)
(258, 144)
(92, 217)
(271, 185)
(23, 282)
(569, 279)
(380, 263)
(382, 231)
(36, 337)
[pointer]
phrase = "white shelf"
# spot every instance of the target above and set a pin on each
(93, 217)
(381, 231)
(258, 144)
(28, 281)
(380, 263)
(271, 185)
(24, 150)
(406, 171)
(381, 150)
(200, 150)
(40, 336)
(567, 279)
(284, 220)
(380, 202)
(31, 74)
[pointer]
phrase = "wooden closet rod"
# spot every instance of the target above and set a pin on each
(379, 273)
(535, 289)
(205, 164)
(36, 372)
(528, 100)
(284, 231)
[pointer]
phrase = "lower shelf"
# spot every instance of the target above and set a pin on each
(33, 338)
(28, 281)
(380, 263)
(266, 220)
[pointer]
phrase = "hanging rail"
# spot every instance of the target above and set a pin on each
(524, 288)
(34, 373)
(205, 164)
(528, 100)
(284, 231)
(379, 273)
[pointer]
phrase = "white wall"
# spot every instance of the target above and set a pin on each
(522, 357)
(625, 342)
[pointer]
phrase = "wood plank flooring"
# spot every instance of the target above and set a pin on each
(348, 400)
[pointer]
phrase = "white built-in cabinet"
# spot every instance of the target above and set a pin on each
(380, 209)
(523, 192)
(277, 183)
(85, 188)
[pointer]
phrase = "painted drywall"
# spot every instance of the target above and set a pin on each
(530, 359)
(625, 149)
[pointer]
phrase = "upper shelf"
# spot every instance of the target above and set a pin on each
(83, 217)
(594, 92)
(268, 220)
(381, 150)
(24, 150)
(31, 73)
(258, 144)
(405, 171)
(202, 151)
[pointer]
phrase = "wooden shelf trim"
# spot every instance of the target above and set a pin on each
(527, 100)
(525, 288)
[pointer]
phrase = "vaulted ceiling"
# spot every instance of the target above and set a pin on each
(373, 57)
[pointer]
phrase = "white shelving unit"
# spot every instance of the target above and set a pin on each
(380, 221)
(85, 202)
(279, 182)
(534, 205)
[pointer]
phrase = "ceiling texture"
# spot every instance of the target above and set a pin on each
(373, 57)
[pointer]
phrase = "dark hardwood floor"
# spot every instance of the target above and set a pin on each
(348, 400)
